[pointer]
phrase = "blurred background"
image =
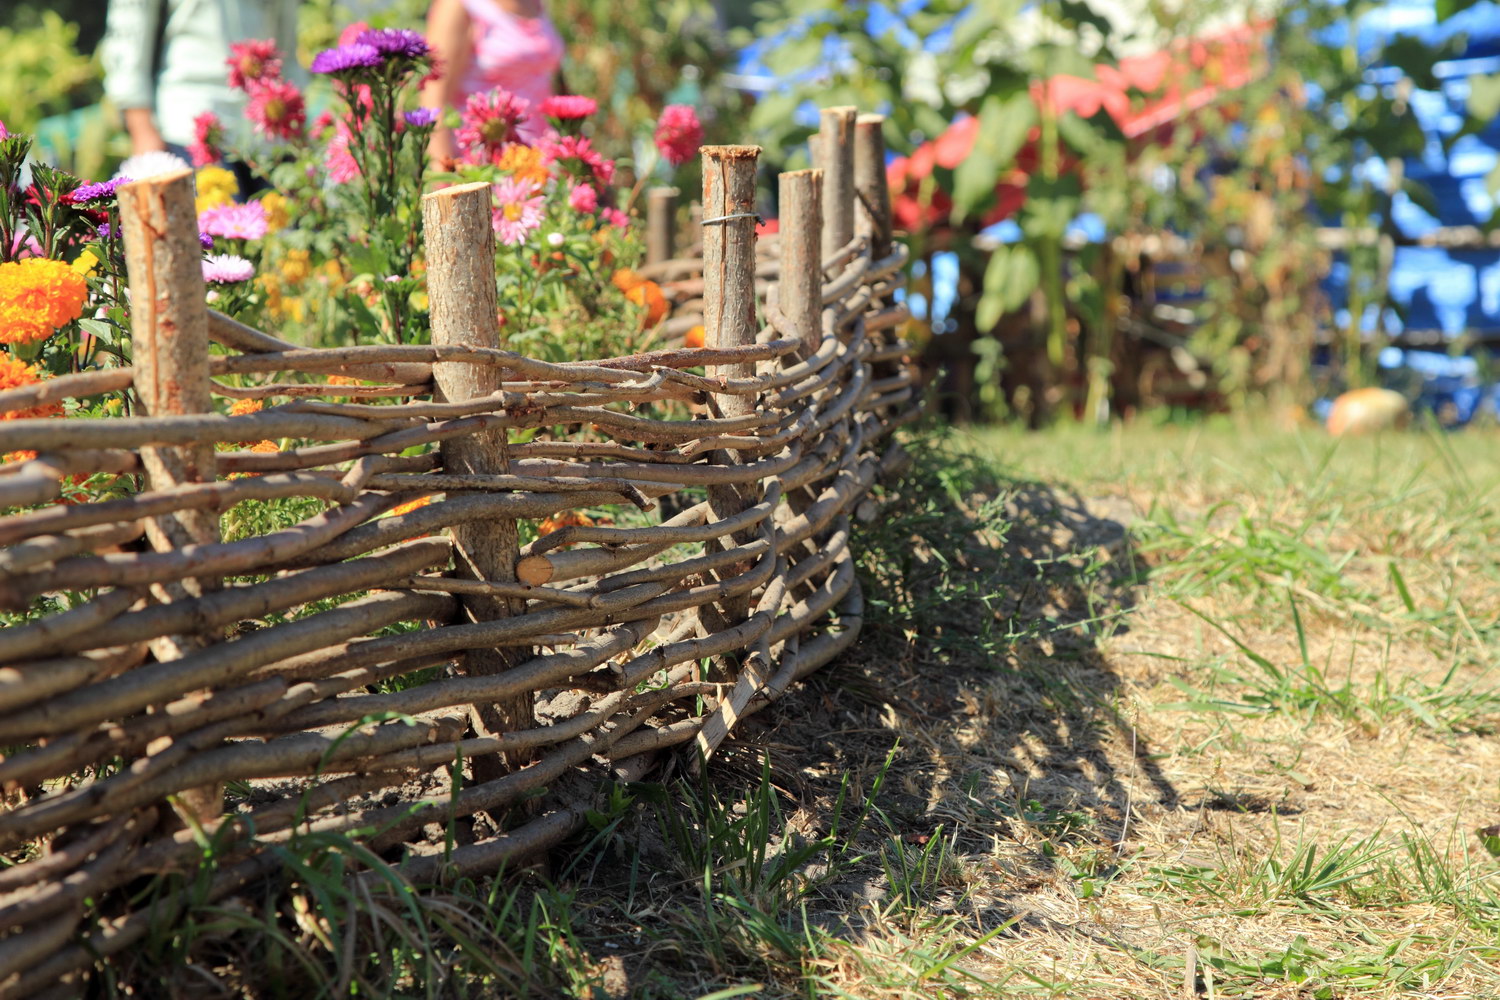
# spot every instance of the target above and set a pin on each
(1118, 209)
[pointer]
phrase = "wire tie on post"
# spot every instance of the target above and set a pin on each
(730, 218)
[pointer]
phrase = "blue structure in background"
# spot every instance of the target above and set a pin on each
(1443, 294)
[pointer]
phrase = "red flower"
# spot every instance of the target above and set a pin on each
(578, 157)
(252, 62)
(490, 121)
(678, 134)
(277, 109)
(208, 137)
(566, 107)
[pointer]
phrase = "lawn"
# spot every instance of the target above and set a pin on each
(1155, 712)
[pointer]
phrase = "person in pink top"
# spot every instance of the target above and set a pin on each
(484, 45)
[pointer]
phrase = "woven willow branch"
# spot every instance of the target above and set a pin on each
(678, 507)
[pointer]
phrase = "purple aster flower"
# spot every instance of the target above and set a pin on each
(227, 269)
(87, 193)
(395, 43)
(204, 240)
(421, 117)
(104, 231)
(346, 58)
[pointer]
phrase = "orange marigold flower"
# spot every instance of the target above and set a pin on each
(694, 337)
(648, 294)
(625, 279)
(566, 519)
(411, 505)
(265, 447)
(11, 457)
(38, 295)
(13, 375)
(243, 407)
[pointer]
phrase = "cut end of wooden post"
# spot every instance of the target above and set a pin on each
(455, 191)
(158, 180)
(534, 570)
(731, 152)
(870, 120)
(815, 174)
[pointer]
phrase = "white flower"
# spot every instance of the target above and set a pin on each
(151, 164)
(555, 239)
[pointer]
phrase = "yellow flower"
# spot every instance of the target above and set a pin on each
(13, 375)
(524, 162)
(38, 295)
(86, 263)
(277, 214)
(216, 186)
(241, 407)
(296, 266)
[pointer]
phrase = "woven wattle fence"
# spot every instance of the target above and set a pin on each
(323, 671)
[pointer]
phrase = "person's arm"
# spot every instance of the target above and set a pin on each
(126, 50)
(448, 29)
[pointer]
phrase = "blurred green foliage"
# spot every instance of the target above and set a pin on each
(45, 74)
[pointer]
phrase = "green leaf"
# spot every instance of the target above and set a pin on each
(1447, 8)
(1009, 279)
(1484, 97)
(1003, 125)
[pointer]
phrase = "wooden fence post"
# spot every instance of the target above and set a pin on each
(873, 214)
(729, 308)
(461, 291)
(836, 157)
(799, 292)
(729, 318)
(169, 348)
(661, 224)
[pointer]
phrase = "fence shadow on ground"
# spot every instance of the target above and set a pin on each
(980, 674)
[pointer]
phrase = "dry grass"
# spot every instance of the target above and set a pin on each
(1222, 727)
(1157, 713)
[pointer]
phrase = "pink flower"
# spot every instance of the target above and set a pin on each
(208, 137)
(277, 109)
(351, 34)
(235, 222)
(322, 124)
(579, 158)
(253, 61)
(227, 269)
(584, 199)
(519, 211)
(3, 134)
(490, 121)
(341, 164)
(615, 217)
(566, 107)
(678, 134)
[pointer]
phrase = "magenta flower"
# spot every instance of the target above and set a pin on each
(227, 269)
(566, 107)
(583, 199)
(518, 212)
(252, 61)
(208, 139)
(490, 121)
(395, 43)
(578, 157)
(615, 217)
(678, 134)
(278, 110)
(346, 59)
(234, 222)
(3, 133)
